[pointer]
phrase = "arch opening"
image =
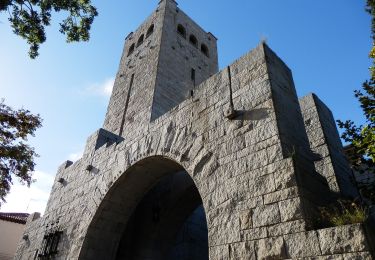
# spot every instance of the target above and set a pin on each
(193, 40)
(131, 49)
(154, 211)
(140, 40)
(150, 30)
(204, 50)
(181, 30)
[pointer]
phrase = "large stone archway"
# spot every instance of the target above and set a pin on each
(142, 215)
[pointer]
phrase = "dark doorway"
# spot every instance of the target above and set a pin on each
(168, 223)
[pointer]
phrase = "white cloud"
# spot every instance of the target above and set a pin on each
(34, 199)
(101, 89)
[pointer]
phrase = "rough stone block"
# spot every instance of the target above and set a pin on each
(357, 256)
(245, 220)
(290, 209)
(280, 195)
(243, 250)
(254, 233)
(271, 248)
(219, 252)
(342, 239)
(302, 244)
(266, 215)
(287, 228)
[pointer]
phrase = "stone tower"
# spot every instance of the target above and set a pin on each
(159, 69)
(196, 164)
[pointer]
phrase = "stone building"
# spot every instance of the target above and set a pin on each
(11, 230)
(196, 163)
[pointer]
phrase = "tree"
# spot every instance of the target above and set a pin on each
(362, 137)
(29, 18)
(16, 157)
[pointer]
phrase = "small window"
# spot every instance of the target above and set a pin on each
(192, 75)
(181, 30)
(131, 49)
(193, 40)
(204, 50)
(140, 40)
(150, 31)
(49, 245)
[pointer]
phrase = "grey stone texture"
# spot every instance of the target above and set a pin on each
(325, 143)
(164, 150)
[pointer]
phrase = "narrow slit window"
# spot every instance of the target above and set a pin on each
(126, 104)
(192, 75)
(193, 40)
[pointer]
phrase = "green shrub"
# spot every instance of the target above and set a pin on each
(342, 213)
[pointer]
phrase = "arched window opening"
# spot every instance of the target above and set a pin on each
(131, 49)
(140, 40)
(150, 31)
(181, 30)
(204, 50)
(193, 40)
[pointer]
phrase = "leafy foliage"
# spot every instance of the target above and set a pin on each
(29, 18)
(16, 157)
(362, 137)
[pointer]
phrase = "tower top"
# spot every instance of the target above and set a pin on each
(169, 1)
(163, 62)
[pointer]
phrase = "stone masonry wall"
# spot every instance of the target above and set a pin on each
(253, 172)
(249, 189)
(178, 57)
(324, 140)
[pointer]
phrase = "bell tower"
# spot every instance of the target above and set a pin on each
(162, 62)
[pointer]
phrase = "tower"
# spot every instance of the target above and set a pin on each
(162, 62)
(237, 153)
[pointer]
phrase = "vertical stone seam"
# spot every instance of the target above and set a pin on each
(123, 119)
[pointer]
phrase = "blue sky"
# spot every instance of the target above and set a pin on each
(325, 43)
